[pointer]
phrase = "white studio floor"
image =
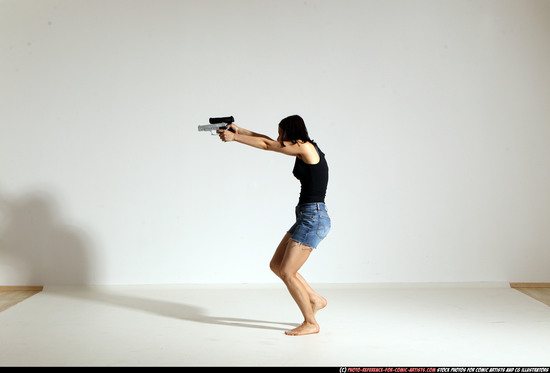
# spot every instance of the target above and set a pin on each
(243, 325)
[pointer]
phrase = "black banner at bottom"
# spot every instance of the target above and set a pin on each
(444, 370)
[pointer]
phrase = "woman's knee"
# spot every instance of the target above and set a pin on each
(286, 274)
(275, 267)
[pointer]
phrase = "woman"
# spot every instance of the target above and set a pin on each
(312, 220)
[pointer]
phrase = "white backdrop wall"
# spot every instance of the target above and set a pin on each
(434, 115)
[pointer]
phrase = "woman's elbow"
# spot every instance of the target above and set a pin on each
(269, 146)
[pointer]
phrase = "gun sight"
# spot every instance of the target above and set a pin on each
(227, 120)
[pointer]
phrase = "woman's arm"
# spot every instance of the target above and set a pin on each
(245, 132)
(263, 142)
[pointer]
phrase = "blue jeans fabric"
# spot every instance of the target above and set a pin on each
(312, 224)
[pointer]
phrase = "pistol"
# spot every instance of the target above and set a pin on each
(217, 124)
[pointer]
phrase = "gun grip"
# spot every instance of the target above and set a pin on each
(229, 129)
(222, 128)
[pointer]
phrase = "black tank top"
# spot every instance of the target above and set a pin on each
(313, 178)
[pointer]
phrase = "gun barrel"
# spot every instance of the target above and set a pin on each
(212, 127)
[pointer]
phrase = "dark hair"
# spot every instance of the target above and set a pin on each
(294, 129)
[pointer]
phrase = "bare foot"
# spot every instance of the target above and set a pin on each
(318, 304)
(304, 329)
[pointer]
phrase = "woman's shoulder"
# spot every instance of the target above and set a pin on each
(311, 153)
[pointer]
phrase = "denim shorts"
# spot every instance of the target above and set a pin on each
(312, 224)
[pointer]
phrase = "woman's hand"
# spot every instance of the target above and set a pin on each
(234, 127)
(226, 135)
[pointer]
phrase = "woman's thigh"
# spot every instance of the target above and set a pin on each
(280, 253)
(295, 256)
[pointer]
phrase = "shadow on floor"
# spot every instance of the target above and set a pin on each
(174, 310)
